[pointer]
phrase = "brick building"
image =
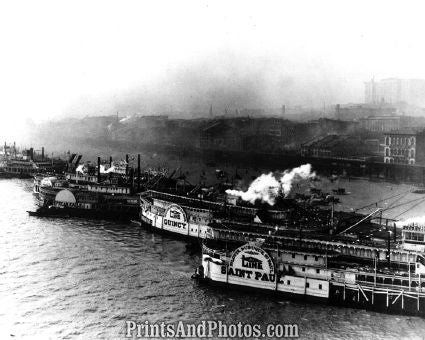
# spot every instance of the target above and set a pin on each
(340, 146)
(405, 146)
(221, 136)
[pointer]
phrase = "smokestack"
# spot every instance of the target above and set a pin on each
(31, 152)
(126, 166)
(138, 172)
(98, 169)
(283, 110)
(5, 146)
(338, 111)
(110, 160)
(72, 157)
(42, 153)
(14, 149)
(395, 233)
(389, 249)
(131, 174)
(78, 160)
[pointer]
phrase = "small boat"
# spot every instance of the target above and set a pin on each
(48, 212)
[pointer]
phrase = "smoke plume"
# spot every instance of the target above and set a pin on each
(418, 220)
(269, 186)
(103, 169)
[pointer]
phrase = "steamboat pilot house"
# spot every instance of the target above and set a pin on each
(413, 237)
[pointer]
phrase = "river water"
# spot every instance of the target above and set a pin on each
(82, 279)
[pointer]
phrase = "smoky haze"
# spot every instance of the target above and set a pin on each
(226, 81)
(99, 57)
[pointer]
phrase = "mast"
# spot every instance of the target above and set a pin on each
(98, 170)
(301, 235)
(138, 172)
(376, 263)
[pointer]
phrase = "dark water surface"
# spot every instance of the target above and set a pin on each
(79, 279)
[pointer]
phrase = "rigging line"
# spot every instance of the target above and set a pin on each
(399, 205)
(389, 208)
(384, 199)
(397, 200)
(363, 219)
(415, 205)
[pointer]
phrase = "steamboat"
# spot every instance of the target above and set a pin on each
(195, 212)
(106, 191)
(287, 223)
(20, 163)
(392, 285)
(196, 217)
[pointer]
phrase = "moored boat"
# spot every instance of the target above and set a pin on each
(108, 190)
(315, 275)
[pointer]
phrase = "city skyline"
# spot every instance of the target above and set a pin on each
(101, 57)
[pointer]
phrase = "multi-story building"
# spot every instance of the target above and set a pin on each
(352, 112)
(334, 145)
(248, 134)
(220, 136)
(383, 123)
(394, 90)
(405, 146)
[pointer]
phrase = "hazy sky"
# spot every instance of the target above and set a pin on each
(79, 57)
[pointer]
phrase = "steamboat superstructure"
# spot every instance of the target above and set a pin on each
(106, 191)
(197, 218)
(314, 274)
(193, 218)
(413, 237)
(21, 163)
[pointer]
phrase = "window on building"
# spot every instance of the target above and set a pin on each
(387, 152)
(316, 258)
(288, 282)
(303, 268)
(317, 271)
(293, 256)
(320, 286)
(305, 257)
(307, 285)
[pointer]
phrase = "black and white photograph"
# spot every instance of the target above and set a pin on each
(210, 169)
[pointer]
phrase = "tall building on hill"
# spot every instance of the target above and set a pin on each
(394, 91)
